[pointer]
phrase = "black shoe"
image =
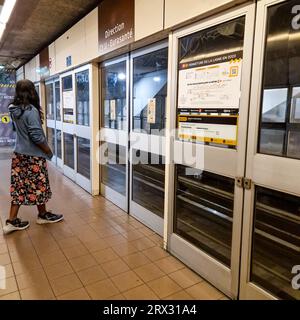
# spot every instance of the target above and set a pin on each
(49, 217)
(15, 225)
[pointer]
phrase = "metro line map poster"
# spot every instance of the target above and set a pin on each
(209, 97)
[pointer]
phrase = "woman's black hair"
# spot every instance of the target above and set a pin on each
(26, 95)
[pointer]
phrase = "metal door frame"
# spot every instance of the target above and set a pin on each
(118, 199)
(79, 130)
(136, 210)
(261, 169)
(230, 163)
(49, 122)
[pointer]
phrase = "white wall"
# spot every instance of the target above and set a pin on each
(151, 16)
(178, 11)
(31, 69)
(80, 42)
(148, 17)
(20, 74)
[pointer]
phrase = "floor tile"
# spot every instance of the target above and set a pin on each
(204, 291)
(58, 270)
(102, 290)
(185, 278)
(9, 284)
(181, 295)
(31, 279)
(69, 242)
(4, 259)
(126, 281)
(37, 293)
(169, 264)
(140, 293)
(115, 267)
(105, 255)
(143, 244)
(96, 245)
(65, 284)
(79, 294)
(124, 249)
(11, 296)
(136, 260)
(149, 272)
(164, 286)
(155, 253)
(83, 262)
(6, 271)
(76, 251)
(92, 275)
(52, 258)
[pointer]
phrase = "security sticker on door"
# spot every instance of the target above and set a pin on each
(5, 119)
(151, 111)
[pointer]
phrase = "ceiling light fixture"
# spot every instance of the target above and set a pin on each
(5, 14)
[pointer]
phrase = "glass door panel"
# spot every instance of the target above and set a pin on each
(148, 182)
(84, 157)
(69, 150)
(114, 131)
(206, 144)
(113, 173)
(150, 72)
(58, 144)
(57, 101)
(83, 98)
(50, 113)
(114, 96)
(271, 243)
(51, 139)
(204, 211)
(276, 242)
(68, 99)
(149, 93)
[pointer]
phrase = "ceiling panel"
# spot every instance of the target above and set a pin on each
(34, 24)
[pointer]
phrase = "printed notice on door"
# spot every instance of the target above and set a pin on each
(113, 110)
(68, 106)
(211, 82)
(151, 112)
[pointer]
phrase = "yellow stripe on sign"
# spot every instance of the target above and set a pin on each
(5, 119)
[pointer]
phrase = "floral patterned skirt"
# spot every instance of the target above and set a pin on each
(29, 180)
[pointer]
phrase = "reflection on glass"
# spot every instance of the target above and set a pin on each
(148, 181)
(113, 172)
(295, 112)
(37, 89)
(83, 157)
(83, 98)
(293, 150)
(51, 139)
(150, 73)
(114, 98)
(58, 143)
(57, 101)
(272, 141)
(280, 106)
(68, 102)
(276, 242)
(49, 101)
(69, 150)
(204, 211)
(274, 105)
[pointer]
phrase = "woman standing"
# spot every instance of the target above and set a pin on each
(29, 174)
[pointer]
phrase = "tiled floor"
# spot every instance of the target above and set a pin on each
(98, 252)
